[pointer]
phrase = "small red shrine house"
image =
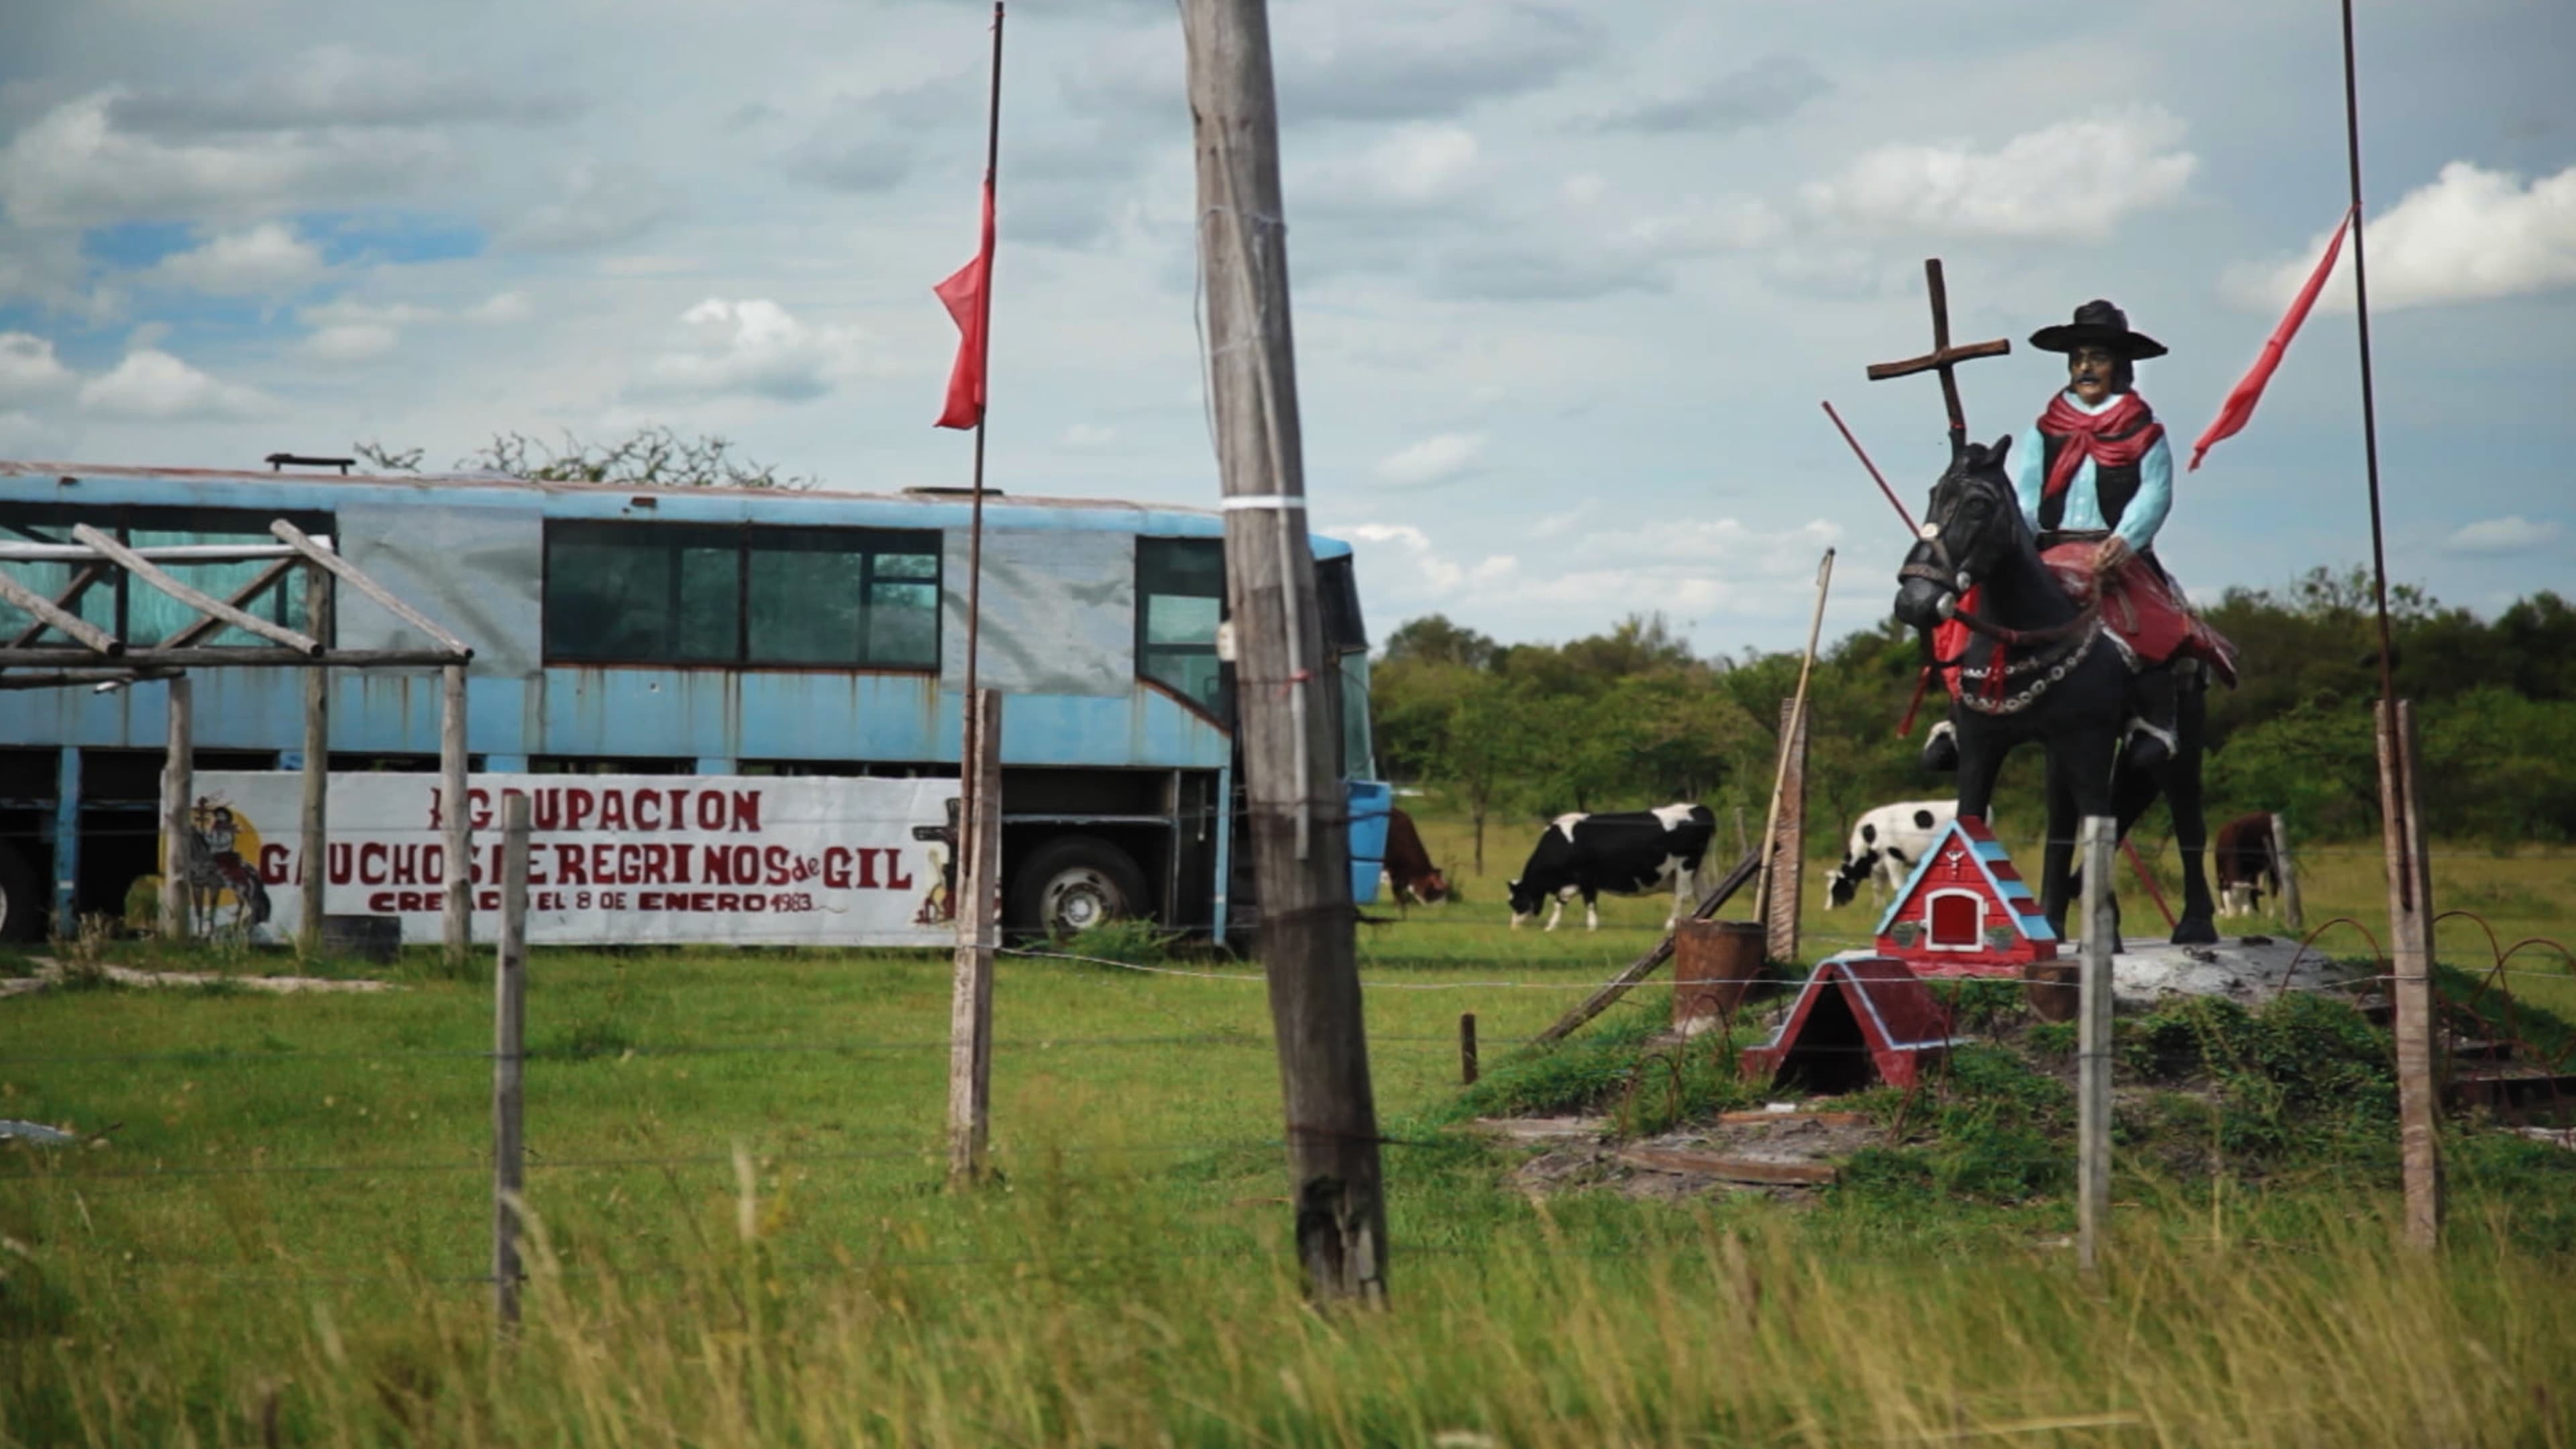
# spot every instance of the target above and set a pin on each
(1857, 1018)
(1965, 911)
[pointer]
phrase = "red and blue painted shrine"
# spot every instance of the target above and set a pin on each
(1858, 1019)
(1965, 911)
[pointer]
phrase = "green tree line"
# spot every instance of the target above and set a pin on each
(1513, 734)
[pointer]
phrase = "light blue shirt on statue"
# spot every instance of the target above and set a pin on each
(2145, 513)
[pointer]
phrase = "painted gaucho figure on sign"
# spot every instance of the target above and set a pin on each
(2094, 469)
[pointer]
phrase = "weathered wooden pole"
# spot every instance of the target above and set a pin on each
(2410, 932)
(2294, 915)
(2093, 1044)
(1295, 809)
(1793, 743)
(457, 919)
(970, 1008)
(1467, 1048)
(316, 852)
(178, 826)
(509, 1030)
(1787, 881)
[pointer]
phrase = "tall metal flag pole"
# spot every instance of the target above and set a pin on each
(969, 753)
(2409, 882)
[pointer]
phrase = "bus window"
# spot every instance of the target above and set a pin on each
(1357, 761)
(152, 616)
(844, 596)
(627, 593)
(1180, 599)
(137, 612)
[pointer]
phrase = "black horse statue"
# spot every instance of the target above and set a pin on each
(2064, 683)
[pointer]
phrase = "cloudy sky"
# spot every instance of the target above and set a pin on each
(1571, 279)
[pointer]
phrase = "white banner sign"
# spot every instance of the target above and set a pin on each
(612, 859)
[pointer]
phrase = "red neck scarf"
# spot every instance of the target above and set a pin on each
(2116, 437)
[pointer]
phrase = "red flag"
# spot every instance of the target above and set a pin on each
(967, 294)
(2239, 407)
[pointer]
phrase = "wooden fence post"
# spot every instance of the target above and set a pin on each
(457, 918)
(317, 764)
(178, 826)
(509, 1027)
(1467, 1048)
(1296, 810)
(2093, 1045)
(1788, 843)
(970, 1008)
(2410, 933)
(2294, 916)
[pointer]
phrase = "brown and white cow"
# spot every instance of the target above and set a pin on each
(1410, 875)
(2242, 856)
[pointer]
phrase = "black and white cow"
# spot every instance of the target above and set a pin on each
(1885, 845)
(1626, 854)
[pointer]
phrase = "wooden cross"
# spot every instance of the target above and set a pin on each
(1943, 357)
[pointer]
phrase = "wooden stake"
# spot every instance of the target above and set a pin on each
(1467, 1048)
(1788, 840)
(1644, 966)
(1288, 745)
(2294, 917)
(2410, 935)
(178, 824)
(457, 919)
(970, 1008)
(317, 764)
(509, 1027)
(1792, 738)
(2093, 1045)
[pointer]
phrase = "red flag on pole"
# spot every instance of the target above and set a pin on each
(968, 296)
(2239, 407)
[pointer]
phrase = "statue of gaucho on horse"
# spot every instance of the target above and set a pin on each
(2050, 618)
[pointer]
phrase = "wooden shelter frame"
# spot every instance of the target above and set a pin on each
(97, 658)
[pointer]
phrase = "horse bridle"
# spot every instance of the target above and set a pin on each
(1954, 583)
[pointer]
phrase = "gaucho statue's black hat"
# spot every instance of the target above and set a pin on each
(2098, 322)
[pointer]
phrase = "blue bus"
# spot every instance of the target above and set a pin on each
(689, 631)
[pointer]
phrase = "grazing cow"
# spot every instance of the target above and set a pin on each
(1626, 854)
(1885, 845)
(1409, 871)
(2243, 857)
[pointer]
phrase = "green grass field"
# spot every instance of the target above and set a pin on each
(745, 1240)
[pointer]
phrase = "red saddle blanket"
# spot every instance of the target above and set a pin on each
(2142, 607)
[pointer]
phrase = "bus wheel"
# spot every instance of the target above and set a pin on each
(1075, 882)
(22, 906)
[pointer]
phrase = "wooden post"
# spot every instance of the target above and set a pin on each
(2410, 935)
(1467, 1048)
(1788, 840)
(458, 915)
(178, 824)
(970, 1008)
(317, 764)
(1793, 739)
(2093, 1045)
(2294, 917)
(1296, 813)
(509, 1025)
(1943, 357)
(1609, 992)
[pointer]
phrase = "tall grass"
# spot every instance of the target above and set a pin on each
(1085, 1317)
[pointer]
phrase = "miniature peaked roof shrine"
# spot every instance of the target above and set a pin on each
(1965, 911)
(1857, 1019)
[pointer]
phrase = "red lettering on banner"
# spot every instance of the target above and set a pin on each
(578, 806)
(657, 859)
(680, 861)
(719, 865)
(782, 868)
(381, 903)
(746, 811)
(372, 869)
(678, 817)
(728, 901)
(406, 864)
(710, 810)
(337, 864)
(755, 903)
(436, 821)
(603, 864)
(630, 864)
(488, 901)
(568, 866)
(746, 865)
(836, 868)
(612, 809)
(643, 800)
(896, 880)
(546, 810)
(868, 868)
(272, 864)
(478, 807)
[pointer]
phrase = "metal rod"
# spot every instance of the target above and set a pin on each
(970, 758)
(208, 658)
(321, 553)
(1875, 476)
(2370, 414)
(197, 599)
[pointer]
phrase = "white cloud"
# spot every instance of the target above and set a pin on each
(24, 436)
(1435, 459)
(1088, 435)
(152, 386)
(351, 342)
(500, 308)
(29, 371)
(754, 348)
(2512, 533)
(2470, 236)
(267, 259)
(1422, 163)
(593, 206)
(336, 86)
(74, 167)
(1434, 572)
(2072, 180)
